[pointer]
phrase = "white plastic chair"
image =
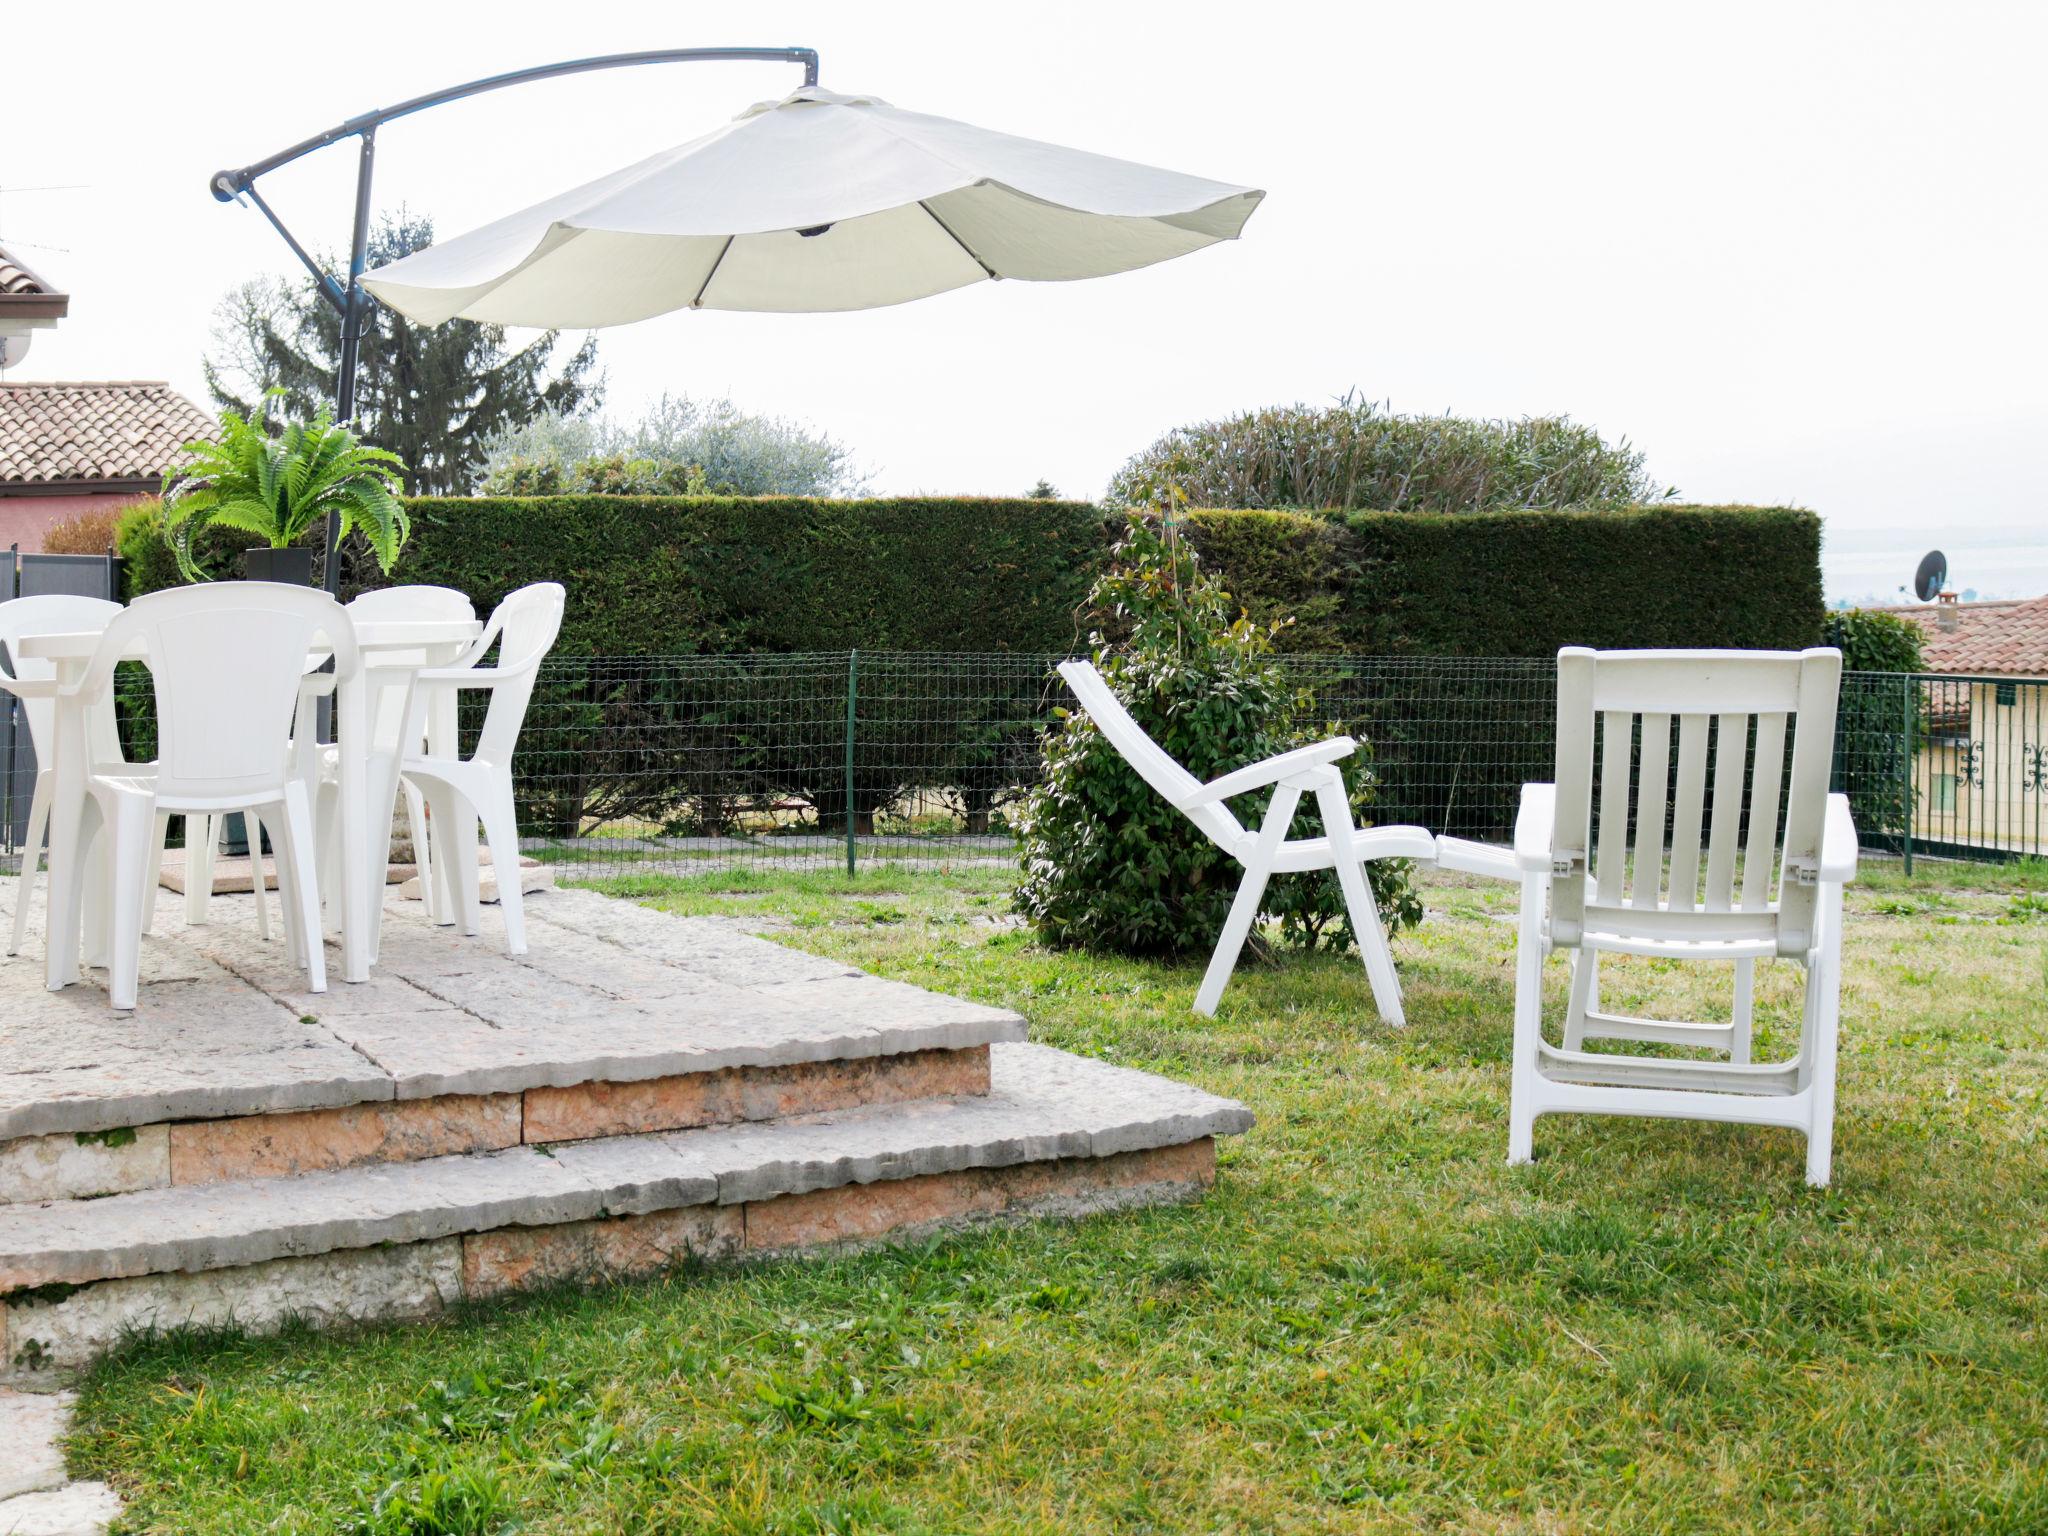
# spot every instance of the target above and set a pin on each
(387, 676)
(35, 684)
(1708, 893)
(226, 660)
(1268, 852)
(459, 791)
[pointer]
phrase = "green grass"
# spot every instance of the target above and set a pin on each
(1372, 1324)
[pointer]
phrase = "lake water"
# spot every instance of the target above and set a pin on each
(1876, 565)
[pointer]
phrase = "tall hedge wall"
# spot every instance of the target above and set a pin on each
(1525, 583)
(653, 575)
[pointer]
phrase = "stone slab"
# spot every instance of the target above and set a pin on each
(50, 1341)
(77, 1509)
(200, 1049)
(1042, 1105)
(909, 1208)
(72, 1165)
(521, 1258)
(610, 990)
(32, 1427)
(278, 1146)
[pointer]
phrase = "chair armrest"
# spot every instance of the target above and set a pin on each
(1469, 858)
(1532, 828)
(465, 677)
(1271, 771)
(29, 687)
(1838, 842)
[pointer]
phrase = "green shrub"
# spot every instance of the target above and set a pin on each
(1108, 864)
(1357, 453)
(1880, 724)
(1875, 642)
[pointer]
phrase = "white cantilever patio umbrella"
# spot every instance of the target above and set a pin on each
(819, 201)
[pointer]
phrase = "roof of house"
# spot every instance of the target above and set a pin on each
(69, 435)
(2004, 639)
(27, 296)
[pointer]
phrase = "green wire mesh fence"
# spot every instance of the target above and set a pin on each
(831, 760)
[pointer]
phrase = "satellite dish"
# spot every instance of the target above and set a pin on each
(13, 349)
(1932, 576)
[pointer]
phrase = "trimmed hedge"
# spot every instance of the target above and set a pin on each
(675, 575)
(1525, 583)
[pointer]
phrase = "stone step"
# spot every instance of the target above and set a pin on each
(608, 994)
(1055, 1132)
(1043, 1104)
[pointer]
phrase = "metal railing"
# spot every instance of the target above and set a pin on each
(697, 764)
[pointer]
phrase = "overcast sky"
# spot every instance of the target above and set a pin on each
(1798, 252)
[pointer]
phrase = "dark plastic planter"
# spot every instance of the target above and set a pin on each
(292, 566)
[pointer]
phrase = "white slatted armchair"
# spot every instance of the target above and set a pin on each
(1344, 848)
(1726, 887)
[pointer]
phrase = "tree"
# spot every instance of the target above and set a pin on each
(1357, 453)
(1045, 490)
(433, 395)
(680, 447)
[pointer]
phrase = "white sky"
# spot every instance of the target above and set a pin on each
(1798, 252)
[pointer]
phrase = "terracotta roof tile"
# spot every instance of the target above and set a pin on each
(2002, 639)
(16, 280)
(65, 433)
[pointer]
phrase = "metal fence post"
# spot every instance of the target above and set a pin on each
(852, 695)
(1906, 768)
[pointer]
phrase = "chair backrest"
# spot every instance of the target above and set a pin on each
(523, 627)
(1699, 812)
(52, 615)
(1146, 755)
(413, 602)
(389, 671)
(226, 659)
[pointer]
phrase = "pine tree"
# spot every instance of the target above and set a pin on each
(431, 394)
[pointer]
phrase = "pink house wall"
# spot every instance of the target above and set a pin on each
(25, 519)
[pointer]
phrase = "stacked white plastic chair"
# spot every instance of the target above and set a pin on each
(1706, 877)
(35, 684)
(461, 792)
(226, 661)
(1311, 770)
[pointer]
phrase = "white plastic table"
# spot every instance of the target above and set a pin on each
(438, 641)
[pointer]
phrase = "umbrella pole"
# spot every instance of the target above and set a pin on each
(240, 186)
(353, 300)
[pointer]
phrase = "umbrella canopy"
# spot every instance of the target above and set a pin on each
(819, 201)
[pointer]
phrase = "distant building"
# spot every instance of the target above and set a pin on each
(1983, 770)
(70, 448)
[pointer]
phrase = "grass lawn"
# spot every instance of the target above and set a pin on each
(1372, 1324)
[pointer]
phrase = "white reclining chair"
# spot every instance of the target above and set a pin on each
(1268, 852)
(460, 791)
(35, 684)
(1751, 896)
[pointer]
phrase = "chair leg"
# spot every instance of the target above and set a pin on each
(1824, 1011)
(501, 831)
(1362, 910)
(1585, 982)
(259, 887)
(158, 837)
(1745, 1011)
(455, 833)
(128, 852)
(416, 823)
(1524, 1085)
(31, 856)
(295, 848)
(1237, 927)
(202, 833)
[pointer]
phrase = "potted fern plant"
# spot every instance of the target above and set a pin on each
(278, 485)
